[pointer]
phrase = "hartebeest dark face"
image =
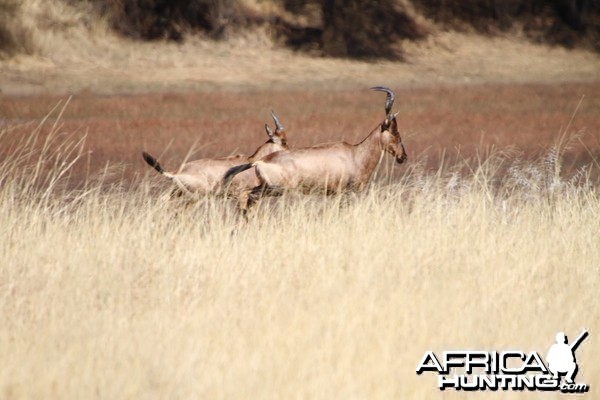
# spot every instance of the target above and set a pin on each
(277, 138)
(277, 141)
(391, 140)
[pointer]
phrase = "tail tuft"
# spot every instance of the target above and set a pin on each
(233, 171)
(153, 162)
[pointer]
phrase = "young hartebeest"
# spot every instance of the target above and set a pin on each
(205, 176)
(332, 168)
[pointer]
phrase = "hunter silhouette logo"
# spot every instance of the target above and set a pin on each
(561, 356)
(508, 370)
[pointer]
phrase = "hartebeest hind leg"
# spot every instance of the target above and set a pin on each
(248, 199)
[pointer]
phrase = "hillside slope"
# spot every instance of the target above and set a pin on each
(75, 52)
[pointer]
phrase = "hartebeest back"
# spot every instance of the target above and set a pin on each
(332, 168)
(205, 176)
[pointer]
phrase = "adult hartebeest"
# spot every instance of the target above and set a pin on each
(332, 168)
(205, 176)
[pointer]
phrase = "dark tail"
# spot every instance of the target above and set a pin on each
(153, 162)
(233, 171)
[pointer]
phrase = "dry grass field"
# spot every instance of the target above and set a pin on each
(487, 238)
(106, 292)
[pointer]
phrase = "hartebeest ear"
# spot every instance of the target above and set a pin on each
(390, 124)
(269, 131)
(394, 125)
(385, 125)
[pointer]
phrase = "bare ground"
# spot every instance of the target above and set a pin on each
(441, 122)
(72, 64)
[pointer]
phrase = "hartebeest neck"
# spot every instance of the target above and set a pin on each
(262, 151)
(368, 152)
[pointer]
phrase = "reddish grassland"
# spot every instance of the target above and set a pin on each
(435, 120)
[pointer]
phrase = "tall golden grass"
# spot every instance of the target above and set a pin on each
(107, 293)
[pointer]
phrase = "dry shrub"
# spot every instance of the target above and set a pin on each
(168, 19)
(340, 28)
(366, 29)
(357, 29)
(15, 36)
(565, 22)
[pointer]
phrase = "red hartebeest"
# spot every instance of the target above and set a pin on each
(332, 168)
(205, 176)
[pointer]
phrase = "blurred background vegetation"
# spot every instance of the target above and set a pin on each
(363, 29)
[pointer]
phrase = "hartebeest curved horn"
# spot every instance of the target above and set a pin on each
(389, 101)
(278, 126)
